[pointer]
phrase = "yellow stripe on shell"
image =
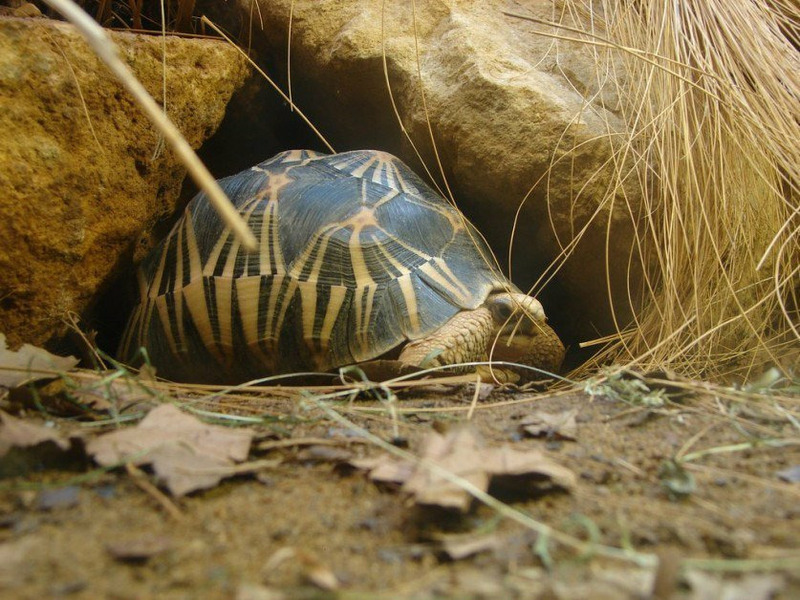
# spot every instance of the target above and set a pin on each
(410, 298)
(195, 262)
(166, 324)
(364, 302)
(439, 272)
(194, 294)
(308, 305)
(216, 252)
(336, 297)
(178, 290)
(277, 306)
(248, 294)
(155, 284)
(223, 294)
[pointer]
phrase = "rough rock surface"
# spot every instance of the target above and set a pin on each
(504, 104)
(81, 169)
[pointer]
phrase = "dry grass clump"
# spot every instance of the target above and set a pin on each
(710, 95)
(176, 15)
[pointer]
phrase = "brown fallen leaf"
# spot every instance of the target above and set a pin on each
(27, 445)
(462, 452)
(184, 452)
(121, 394)
(29, 363)
(559, 425)
(520, 467)
(18, 433)
(384, 468)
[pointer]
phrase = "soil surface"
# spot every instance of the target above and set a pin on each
(723, 519)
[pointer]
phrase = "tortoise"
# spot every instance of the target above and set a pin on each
(358, 260)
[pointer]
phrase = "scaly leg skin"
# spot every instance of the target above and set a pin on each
(464, 338)
(470, 336)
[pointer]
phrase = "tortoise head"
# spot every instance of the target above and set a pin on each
(522, 333)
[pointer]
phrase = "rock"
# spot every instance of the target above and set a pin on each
(82, 172)
(504, 105)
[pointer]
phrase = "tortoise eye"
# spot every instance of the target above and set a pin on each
(501, 309)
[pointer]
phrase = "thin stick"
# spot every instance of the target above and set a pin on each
(107, 52)
(140, 479)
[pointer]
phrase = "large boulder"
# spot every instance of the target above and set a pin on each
(82, 171)
(509, 110)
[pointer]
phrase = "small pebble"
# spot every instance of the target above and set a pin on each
(65, 497)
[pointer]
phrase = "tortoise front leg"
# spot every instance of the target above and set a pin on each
(464, 338)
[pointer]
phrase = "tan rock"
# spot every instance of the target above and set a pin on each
(82, 171)
(504, 104)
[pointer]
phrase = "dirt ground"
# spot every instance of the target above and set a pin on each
(307, 524)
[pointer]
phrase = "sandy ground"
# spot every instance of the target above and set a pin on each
(308, 525)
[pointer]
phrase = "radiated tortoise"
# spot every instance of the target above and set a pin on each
(358, 259)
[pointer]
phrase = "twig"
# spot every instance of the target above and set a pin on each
(309, 441)
(140, 479)
(105, 49)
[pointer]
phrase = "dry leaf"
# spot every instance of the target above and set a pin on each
(462, 452)
(29, 363)
(120, 394)
(517, 467)
(18, 433)
(27, 445)
(459, 452)
(184, 452)
(559, 425)
(385, 468)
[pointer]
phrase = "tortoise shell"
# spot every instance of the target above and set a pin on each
(356, 256)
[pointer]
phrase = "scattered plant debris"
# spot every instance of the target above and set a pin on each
(27, 446)
(628, 387)
(462, 452)
(185, 453)
(30, 363)
(23, 433)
